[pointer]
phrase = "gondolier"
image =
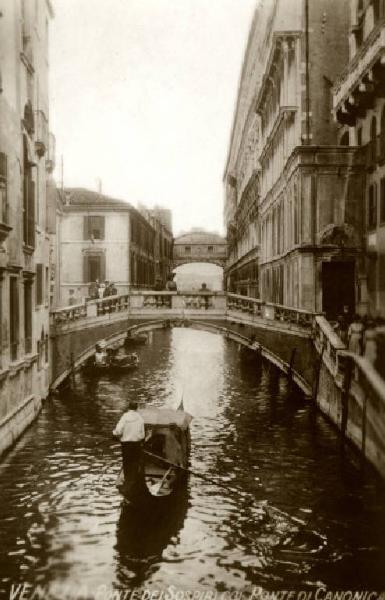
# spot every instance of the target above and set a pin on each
(130, 431)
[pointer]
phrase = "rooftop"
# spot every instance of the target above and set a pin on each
(197, 236)
(84, 197)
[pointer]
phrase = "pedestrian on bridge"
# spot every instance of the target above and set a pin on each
(355, 335)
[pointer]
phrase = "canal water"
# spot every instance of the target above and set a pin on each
(287, 508)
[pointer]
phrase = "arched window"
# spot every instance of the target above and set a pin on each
(372, 206)
(373, 136)
(344, 139)
(382, 135)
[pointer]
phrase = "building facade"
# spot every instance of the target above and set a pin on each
(161, 221)
(198, 245)
(359, 107)
(292, 205)
(104, 239)
(26, 163)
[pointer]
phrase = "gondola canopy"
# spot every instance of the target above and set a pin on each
(153, 416)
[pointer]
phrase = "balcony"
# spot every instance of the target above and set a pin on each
(363, 81)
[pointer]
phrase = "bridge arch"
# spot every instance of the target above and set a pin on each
(231, 331)
(190, 276)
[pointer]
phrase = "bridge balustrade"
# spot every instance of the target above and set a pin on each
(252, 306)
(329, 345)
(177, 302)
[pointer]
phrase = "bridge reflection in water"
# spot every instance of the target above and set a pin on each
(286, 508)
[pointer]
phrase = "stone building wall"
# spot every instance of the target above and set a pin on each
(24, 252)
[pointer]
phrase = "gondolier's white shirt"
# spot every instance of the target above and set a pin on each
(130, 427)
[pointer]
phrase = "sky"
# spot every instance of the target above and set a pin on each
(142, 99)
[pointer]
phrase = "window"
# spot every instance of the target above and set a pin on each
(376, 10)
(382, 200)
(28, 316)
(3, 188)
(382, 135)
(187, 249)
(46, 348)
(94, 267)
(359, 136)
(14, 316)
(210, 249)
(373, 135)
(28, 199)
(94, 228)
(372, 206)
(46, 286)
(39, 284)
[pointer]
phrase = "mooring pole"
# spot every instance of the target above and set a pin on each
(318, 374)
(72, 370)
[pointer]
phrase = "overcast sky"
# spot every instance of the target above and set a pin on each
(142, 97)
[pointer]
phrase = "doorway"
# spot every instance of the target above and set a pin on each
(338, 289)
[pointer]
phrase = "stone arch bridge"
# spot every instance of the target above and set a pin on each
(303, 345)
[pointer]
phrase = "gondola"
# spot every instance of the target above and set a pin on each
(114, 366)
(165, 456)
(138, 339)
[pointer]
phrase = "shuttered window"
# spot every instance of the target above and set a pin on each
(94, 226)
(28, 317)
(382, 201)
(14, 316)
(39, 284)
(28, 201)
(372, 206)
(3, 188)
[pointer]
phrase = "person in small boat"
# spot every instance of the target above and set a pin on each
(134, 358)
(131, 433)
(100, 356)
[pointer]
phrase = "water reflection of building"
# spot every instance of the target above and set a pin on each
(26, 162)
(359, 107)
(292, 208)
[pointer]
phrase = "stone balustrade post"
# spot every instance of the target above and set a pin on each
(91, 310)
(268, 312)
(177, 302)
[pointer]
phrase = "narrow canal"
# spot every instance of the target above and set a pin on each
(287, 509)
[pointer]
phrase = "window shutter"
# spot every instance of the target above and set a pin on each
(3, 166)
(103, 267)
(86, 228)
(102, 227)
(86, 277)
(31, 213)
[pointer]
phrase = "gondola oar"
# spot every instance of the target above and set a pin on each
(232, 489)
(168, 462)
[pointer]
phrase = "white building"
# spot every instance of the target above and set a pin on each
(102, 238)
